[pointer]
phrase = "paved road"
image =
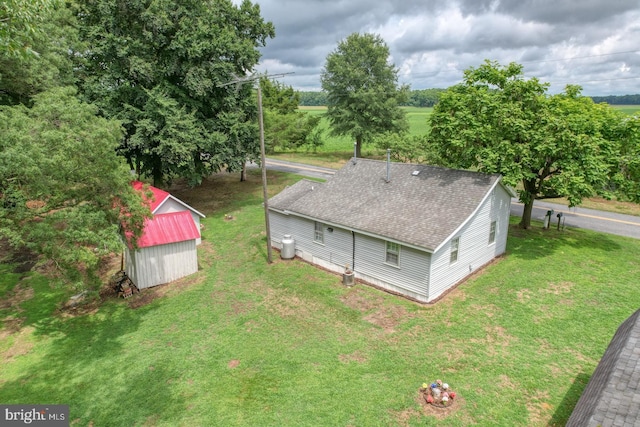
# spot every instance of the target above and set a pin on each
(606, 222)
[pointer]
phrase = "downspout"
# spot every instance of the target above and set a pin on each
(353, 251)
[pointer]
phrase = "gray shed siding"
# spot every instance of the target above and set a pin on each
(171, 205)
(161, 264)
(474, 250)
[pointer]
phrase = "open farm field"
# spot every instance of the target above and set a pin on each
(245, 343)
(629, 109)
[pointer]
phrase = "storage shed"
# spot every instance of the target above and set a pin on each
(411, 229)
(163, 202)
(167, 248)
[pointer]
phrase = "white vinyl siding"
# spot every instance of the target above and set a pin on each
(334, 255)
(473, 251)
(411, 280)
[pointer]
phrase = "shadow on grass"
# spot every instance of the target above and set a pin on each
(223, 192)
(562, 414)
(84, 362)
(537, 242)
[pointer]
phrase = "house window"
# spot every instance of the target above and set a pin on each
(492, 232)
(318, 235)
(455, 245)
(393, 253)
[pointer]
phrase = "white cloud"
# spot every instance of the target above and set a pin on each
(587, 42)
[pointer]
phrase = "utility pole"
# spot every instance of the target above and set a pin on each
(263, 163)
(251, 79)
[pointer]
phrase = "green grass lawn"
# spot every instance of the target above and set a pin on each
(245, 343)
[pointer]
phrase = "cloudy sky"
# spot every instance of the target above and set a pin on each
(593, 43)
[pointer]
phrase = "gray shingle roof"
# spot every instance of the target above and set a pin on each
(612, 397)
(422, 210)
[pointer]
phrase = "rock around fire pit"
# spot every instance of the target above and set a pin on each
(438, 394)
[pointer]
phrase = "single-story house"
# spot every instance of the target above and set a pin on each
(163, 202)
(166, 251)
(411, 229)
(612, 396)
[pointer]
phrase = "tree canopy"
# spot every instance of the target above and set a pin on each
(64, 192)
(555, 146)
(285, 126)
(363, 95)
(158, 67)
(36, 38)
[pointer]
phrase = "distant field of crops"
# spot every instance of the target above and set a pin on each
(629, 109)
(418, 118)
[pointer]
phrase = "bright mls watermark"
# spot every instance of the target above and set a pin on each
(34, 415)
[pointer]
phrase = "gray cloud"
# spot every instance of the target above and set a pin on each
(588, 42)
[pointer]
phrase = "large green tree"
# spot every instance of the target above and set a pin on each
(39, 57)
(553, 146)
(362, 89)
(64, 192)
(20, 22)
(285, 126)
(159, 67)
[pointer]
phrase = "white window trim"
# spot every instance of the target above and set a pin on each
(386, 254)
(494, 225)
(456, 251)
(318, 230)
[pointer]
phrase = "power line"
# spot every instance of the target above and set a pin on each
(239, 81)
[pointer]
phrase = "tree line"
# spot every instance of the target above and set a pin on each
(429, 98)
(416, 98)
(618, 99)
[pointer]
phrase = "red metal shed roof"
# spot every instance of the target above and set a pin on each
(159, 195)
(168, 228)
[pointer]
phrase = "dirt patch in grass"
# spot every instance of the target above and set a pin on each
(23, 258)
(437, 412)
(12, 323)
(559, 288)
(234, 363)
(495, 341)
(356, 356)
(388, 317)
(540, 410)
(383, 316)
(285, 304)
(524, 295)
(22, 344)
(403, 417)
(19, 294)
(357, 300)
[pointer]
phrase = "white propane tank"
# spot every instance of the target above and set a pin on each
(288, 247)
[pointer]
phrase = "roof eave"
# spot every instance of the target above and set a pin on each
(355, 230)
(201, 215)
